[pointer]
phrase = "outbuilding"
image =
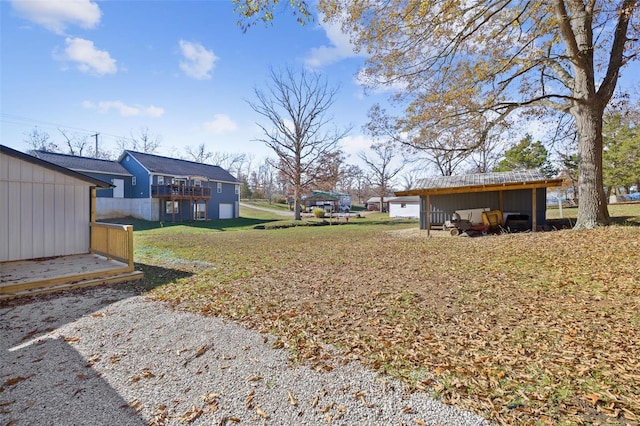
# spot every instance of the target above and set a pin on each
(404, 207)
(45, 208)
(517, 193)
(49, 239)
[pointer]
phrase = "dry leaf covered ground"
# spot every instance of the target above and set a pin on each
(523, 329)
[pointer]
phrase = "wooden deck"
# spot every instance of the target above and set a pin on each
(28, 277)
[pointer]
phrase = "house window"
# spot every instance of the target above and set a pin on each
(197, 183)
(160, 180)
(172, 207)
(237, 189)
(133, 181)
(219, 187)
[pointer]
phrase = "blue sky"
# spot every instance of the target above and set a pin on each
(182, 69)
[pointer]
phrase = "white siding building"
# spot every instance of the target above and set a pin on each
(45, 210)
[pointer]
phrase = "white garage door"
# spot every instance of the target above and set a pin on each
(226, 211)
(118, 191)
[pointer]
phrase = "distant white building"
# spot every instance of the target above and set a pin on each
(408, 207)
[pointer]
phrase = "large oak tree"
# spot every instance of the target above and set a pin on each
(485, 58)
(298, 126)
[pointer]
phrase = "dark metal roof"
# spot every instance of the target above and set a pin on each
(480, 179)
(481, 182)
(82, 164)
(54, 167)
(405, 199)
(321, 196)
(176, 167)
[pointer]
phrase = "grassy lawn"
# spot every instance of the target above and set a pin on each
(523, 329)
(625, 214)
(267, 205)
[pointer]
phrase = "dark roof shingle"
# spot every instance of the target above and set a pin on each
(82, 164)
(174, 166)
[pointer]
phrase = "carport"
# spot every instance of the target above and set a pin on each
(516, 192)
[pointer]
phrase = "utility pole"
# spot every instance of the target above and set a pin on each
(96, 136)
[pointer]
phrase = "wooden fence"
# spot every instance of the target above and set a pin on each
(113, 241)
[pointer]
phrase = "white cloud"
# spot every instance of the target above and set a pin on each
(123, 109)
(340, 47)
(55, 15)
(352, 145)
(87, 57)
(198, 62)
(221, 123)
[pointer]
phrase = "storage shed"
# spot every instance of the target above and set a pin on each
(45, 209)
(404, 207)
(521, 193)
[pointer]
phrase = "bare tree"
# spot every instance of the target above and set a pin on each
(142, 141)
(231, 162)
(77, 144)
(381, 173)
(349, 176)
(298, 130)
(266, 178)
(199, 154)
(40, 140)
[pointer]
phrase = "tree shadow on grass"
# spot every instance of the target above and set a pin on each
(217, 225)
(569, 223)
(626, 220)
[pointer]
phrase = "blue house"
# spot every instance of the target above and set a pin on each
(180, 190)
(157, 188)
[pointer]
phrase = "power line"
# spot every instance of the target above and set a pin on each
(25, 121)
(35, 122)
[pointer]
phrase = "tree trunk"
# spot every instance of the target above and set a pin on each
(296, 203)
(592, 208)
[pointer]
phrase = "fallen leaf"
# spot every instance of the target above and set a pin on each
(592, 398)
(292, 399)
(254, 378)
(261, 413)
(248, 401)
(17, 379)
(190, 415)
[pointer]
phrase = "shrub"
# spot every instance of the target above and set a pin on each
(318, 212)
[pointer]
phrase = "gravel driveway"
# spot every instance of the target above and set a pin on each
(105, 356)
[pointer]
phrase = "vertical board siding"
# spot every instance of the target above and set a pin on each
(43, 213)
(37, 223)
(4, 216)
(27, 247)
(13, 205)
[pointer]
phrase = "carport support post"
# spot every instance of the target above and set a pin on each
(534, 218)
(428, 210)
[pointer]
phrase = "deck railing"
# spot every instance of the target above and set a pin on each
(180, 191)
(113, 241)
